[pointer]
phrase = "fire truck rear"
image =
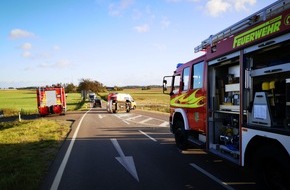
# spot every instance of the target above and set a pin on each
(51, 100)
(235, 99)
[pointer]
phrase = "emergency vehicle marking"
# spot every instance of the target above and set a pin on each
(190, 102)
(286, 20)
(258, 32)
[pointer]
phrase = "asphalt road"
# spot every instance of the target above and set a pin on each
(136, 151)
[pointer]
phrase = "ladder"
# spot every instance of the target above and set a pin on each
(255, 18)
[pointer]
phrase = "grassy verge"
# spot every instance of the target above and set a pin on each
(26, 150)
(74, 101)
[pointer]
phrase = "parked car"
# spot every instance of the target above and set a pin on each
(97, 103)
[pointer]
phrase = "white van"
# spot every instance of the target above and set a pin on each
(124, 97)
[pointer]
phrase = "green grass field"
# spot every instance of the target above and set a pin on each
(24, 101)
(14, 101)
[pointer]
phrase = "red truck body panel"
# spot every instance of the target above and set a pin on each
(51, 100)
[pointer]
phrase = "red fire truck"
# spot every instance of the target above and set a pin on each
(51, 100)
(235, 99)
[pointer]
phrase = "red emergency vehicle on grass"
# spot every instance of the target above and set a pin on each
(51, 100)
(235, 99)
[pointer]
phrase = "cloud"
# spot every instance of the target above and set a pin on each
(26, 46)
(241, 4)
(19, 33)
(116, 9)
(45, 65)
(165, 22)
(63, 63)
(56, 48)
(217, 7)
(26, 54)
(142, 28)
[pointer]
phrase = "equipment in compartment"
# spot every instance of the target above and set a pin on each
(260, 114)
(226, 138)
(229, 136)
(231, 91)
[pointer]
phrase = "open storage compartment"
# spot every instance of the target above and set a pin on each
(269, 95)
(224, 123)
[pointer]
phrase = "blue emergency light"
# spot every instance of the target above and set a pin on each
(178, 65)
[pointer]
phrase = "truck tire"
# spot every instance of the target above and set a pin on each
(115, 107)
(272, 168)
(128, 107)
(181, 137)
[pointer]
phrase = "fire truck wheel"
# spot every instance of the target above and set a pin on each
(115, 107)
(272, 169)
(181, 138)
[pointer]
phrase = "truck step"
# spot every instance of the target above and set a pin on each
(196, 142)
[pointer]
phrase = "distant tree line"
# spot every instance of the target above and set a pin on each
(89, 85)
(86, 85)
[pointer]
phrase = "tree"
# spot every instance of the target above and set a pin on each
(91, 86)
(69, 88)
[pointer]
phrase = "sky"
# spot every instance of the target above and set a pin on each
(114, 42)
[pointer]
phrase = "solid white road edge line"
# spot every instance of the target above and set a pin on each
(60, 171)
(148, 136)
(225, 185)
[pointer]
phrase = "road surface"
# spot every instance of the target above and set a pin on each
(136, 151)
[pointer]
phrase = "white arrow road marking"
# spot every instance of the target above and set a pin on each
(101, 116)
(126, 161)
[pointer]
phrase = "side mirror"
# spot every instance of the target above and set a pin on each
(164, 85)
(165, 78)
